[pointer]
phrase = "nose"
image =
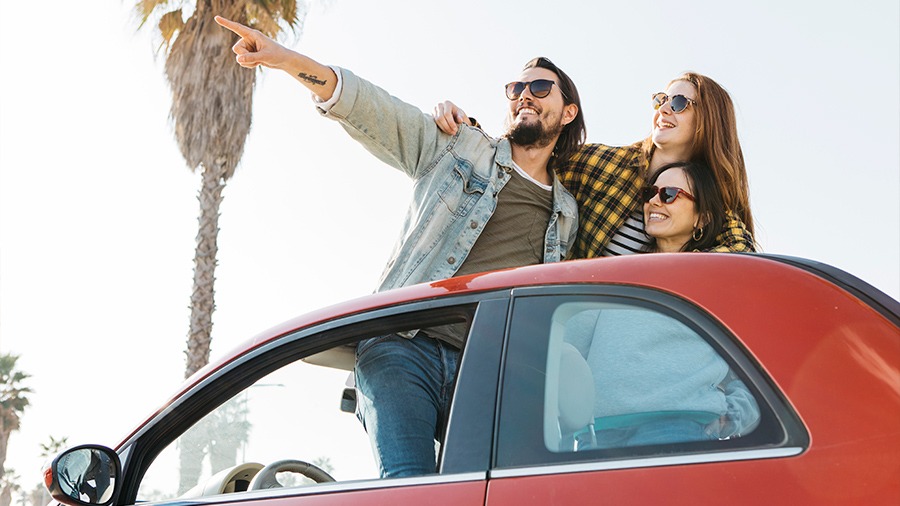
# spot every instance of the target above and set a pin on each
(528, 91)
(666, 108)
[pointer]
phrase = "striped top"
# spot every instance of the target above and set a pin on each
(630, 238)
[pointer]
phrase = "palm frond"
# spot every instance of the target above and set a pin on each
(259, 17)
(169, 25)
(275, 16)
(146, 8)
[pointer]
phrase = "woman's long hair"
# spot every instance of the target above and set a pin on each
(716, 144)
(708, 203)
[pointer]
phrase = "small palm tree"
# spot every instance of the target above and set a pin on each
(212, 98)
(53, 446)
(13, 401)
(9, 484)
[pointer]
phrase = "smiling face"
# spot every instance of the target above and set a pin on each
(671, 224)
(675, 132)
(537, 121)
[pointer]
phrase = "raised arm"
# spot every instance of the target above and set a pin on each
(397, 133)
(255, 49)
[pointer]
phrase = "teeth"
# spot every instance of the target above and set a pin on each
(526, 110)
(665, 124)
(658, 216)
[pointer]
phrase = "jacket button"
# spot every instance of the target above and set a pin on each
(451, 260)
(473, 224)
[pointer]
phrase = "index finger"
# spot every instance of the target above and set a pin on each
(239, 29)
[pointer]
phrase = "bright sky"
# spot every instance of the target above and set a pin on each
(98, 211)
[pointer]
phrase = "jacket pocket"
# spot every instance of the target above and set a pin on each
(461, 189)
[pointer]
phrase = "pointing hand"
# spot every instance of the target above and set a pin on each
(254, 48)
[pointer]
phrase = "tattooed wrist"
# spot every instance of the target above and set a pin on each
(311, 79)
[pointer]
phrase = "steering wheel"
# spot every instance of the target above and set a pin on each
(265, 478)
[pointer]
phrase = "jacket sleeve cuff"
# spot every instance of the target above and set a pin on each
(344, 97)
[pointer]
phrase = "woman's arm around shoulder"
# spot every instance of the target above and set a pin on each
(734, 237)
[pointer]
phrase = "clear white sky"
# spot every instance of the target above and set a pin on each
(98, 211)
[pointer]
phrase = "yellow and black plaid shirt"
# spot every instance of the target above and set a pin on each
(606, 181)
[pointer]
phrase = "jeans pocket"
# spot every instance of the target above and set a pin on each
(365, 344)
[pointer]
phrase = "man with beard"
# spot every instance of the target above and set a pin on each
(478, 204)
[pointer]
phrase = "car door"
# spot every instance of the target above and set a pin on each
(286, 403)
(626, 395)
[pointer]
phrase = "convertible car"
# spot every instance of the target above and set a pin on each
(648, 379)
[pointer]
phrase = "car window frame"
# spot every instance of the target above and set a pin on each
(138, 451)
(794, 437)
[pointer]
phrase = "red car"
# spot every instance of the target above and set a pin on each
(562, 365)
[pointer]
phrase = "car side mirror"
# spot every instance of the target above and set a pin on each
(85, 475)
(348, 400)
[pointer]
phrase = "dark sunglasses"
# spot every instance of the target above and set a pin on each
(540, 88)
(667, 194)
(678, 103)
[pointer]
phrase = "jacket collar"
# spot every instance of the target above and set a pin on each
(504, 154)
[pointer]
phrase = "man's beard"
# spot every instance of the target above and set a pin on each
(533, 134)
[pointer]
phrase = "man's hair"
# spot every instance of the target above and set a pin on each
(574, 134)
(707, 201)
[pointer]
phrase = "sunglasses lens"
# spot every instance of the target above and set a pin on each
(647, 193)
(514, 90)
(668, 194)
(540, 88)
(658, 100)
(679, 103)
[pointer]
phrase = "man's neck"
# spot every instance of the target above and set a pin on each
(533, 161)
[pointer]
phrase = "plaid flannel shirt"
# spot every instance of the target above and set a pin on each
(734, 237)
(606, 181)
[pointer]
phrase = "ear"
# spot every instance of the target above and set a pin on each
(570, 112)
(703, 220)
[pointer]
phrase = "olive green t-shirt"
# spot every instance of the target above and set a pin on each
(514, 236)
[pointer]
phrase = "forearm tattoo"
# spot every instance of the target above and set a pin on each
(311, 79)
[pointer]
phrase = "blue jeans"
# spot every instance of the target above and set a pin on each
(403, 398)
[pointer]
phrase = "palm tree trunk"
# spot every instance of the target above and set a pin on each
(193, 446)
(202, 298)
(4, 444)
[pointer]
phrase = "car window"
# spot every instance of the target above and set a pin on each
(292, 413)
(297, 413)
(621, 376)
(607, 377)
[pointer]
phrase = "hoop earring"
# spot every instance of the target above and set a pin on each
(698, 234)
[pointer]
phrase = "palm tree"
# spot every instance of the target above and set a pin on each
(9, 483)
(53, 446)
(39, 495)
(13, 402)
(212, 99)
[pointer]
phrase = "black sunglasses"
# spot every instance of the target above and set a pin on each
(667, 194)
(540, 88)
(678, 102)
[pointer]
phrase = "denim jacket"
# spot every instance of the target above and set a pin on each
(456, 182)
